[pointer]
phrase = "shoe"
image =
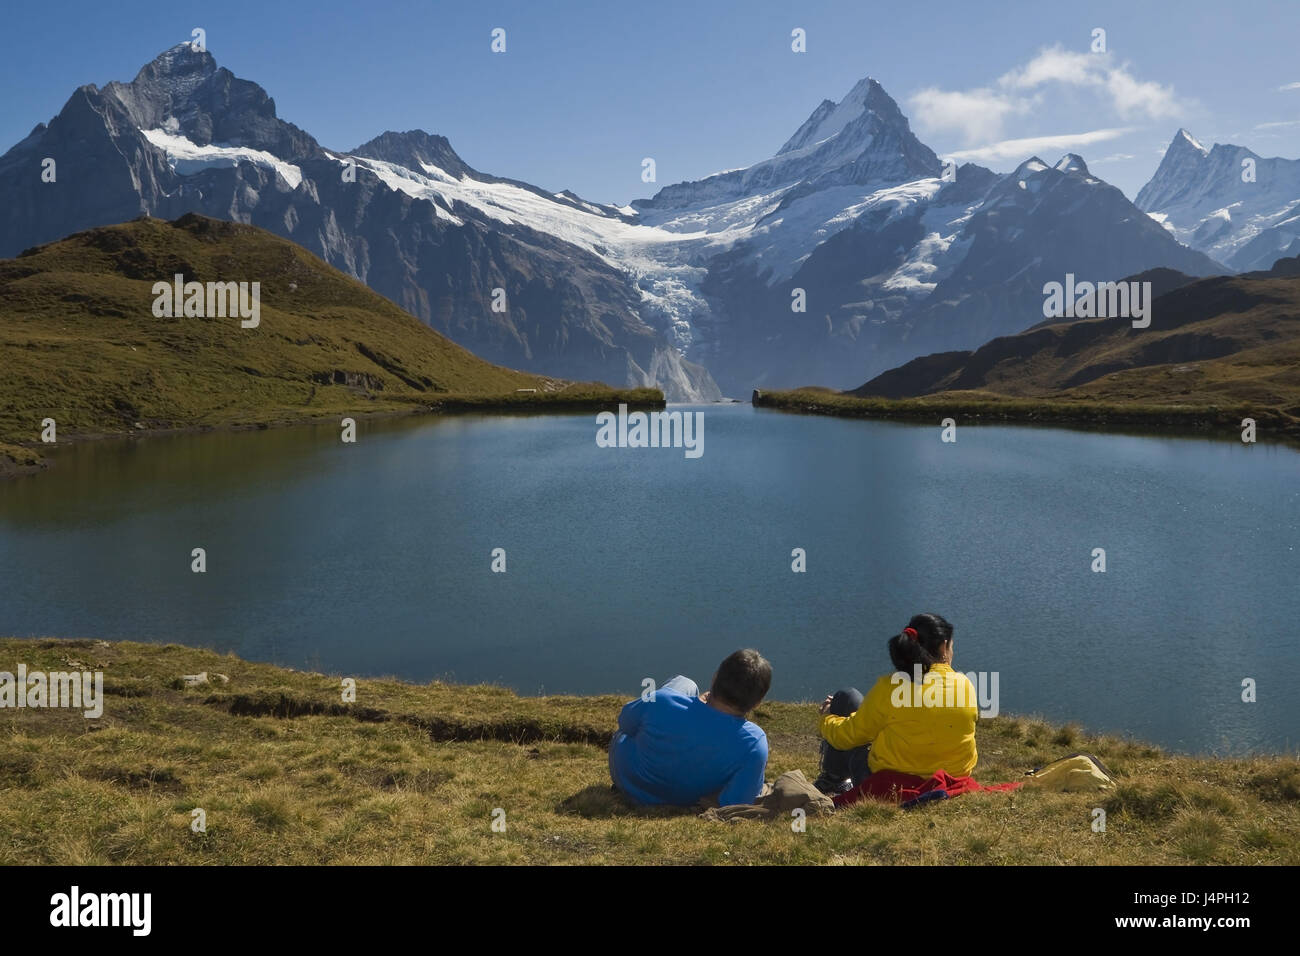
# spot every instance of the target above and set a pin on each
(835, 767)
(831, 785)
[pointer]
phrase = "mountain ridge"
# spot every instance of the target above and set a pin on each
(1216, 340)
(690, 290)
(1226, 201)
(188, 136)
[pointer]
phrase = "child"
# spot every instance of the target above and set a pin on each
(681, 746)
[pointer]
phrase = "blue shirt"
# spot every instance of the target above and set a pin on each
(676, 749)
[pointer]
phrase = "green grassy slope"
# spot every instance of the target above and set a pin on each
(287, 773)
(79, 342)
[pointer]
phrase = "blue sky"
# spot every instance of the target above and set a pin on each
(585, 90)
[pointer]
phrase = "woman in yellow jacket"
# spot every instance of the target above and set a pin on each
(918, 720)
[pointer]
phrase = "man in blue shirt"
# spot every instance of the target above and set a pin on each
(680, 746)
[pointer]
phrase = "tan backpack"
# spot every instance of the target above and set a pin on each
(1077, 773)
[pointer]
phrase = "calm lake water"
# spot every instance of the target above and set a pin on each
(374, 559)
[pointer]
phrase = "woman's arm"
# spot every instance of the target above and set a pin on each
(862, 726)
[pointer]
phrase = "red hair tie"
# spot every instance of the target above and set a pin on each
(911, 632)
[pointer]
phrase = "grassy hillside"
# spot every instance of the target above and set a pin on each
(1218, 350)
(80, 343)
(287, 773)
(991, 408)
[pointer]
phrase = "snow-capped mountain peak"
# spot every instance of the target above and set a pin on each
(862, 139)
(1183, 139)
(1226, 201)
(830, 118)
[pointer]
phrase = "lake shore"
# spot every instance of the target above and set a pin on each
(286, 772)
(1223, 420)
(18, 459)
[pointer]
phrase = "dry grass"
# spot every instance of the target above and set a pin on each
(287, 773)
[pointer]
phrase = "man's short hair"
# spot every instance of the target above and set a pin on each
(742, 680)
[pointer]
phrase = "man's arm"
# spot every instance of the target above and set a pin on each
(629, 718)
(747, 782)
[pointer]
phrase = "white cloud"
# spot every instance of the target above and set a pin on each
(1132, 97)
(979, 114)
(1278, 125)
(1112, 158)
(1129, 96)
(1285, 87)
(1054, 65)
(1020, 149)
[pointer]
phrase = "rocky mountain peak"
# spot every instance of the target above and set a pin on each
(415, 149)
(1072, 163)
(831, 119)
(177, 64)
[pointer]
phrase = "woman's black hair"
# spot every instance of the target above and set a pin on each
(927, 649)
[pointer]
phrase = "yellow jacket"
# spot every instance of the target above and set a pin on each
(916, 730)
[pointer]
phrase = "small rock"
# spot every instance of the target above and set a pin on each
(222, 677)
(194, 680)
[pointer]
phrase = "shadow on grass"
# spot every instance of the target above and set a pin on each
(604, 802)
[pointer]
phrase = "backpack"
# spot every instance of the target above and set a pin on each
(1077, 773)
